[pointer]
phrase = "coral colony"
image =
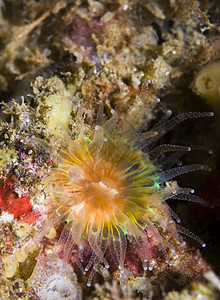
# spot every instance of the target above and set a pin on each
(112, 196)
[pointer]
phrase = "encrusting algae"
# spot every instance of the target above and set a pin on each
(88, 158)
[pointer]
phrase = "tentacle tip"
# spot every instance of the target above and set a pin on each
(210, 151)
(121, 269)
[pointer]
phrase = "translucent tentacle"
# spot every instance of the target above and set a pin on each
(192, 198)
(166, 163)
(110, 125)
(141, 137)
(62, 239)
(91, 275)
(101, 270)
(156, 152)
(163, 128)
(169, 174)
(92, 260)
(190, 234)
(68, 245)
(97, 267)
(118, 249)
(143, 252)
(173, 214)
(100, 114)
(163, 119)
(99, 246)
(97, 142)
(161, 241)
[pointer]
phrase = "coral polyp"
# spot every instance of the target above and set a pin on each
(110, 193)
(104, 189)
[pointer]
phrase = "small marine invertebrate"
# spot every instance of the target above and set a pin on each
(149, 37)
(55, 279)
(111, 193)
(137, 41)
(207, 84)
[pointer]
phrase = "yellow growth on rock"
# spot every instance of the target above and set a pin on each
(207, 84)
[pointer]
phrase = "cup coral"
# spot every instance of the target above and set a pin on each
(111, 191)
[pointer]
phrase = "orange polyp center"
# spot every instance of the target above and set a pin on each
(102, 192)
